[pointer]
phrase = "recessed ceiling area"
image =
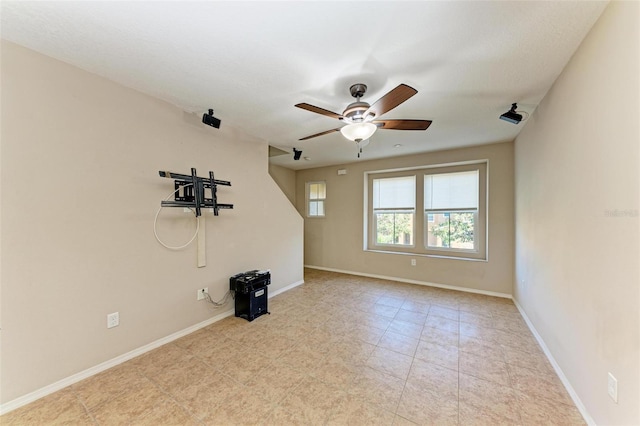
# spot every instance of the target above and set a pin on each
(253, 61)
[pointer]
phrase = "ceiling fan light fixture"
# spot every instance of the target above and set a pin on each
(358, 131)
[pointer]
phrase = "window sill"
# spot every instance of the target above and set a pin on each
(435, 256)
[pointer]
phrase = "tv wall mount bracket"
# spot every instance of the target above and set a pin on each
(190, 192)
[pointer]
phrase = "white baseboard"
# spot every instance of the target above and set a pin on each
(287, 288)
(63, 383)
(404, 280)
(556, 367)
(547, 352)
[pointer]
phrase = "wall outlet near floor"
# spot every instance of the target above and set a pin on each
(612, 387)
(113, 320)
(201, 292)
(413, 262)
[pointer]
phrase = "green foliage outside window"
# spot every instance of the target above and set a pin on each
(453, 230)
(394, 228)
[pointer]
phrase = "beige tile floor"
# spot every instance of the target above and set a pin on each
(337, 350)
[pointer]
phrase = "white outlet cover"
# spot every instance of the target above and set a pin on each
(612, 387)
(200, 294)
(113, 320)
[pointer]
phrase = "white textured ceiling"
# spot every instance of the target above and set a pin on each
(253, 61)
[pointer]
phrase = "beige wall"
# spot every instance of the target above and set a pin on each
(336, 241)
(286, 180)
(577, 269)
(80, 188)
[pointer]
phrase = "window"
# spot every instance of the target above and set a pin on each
(316, 195)
(453, 200)
(394, 208)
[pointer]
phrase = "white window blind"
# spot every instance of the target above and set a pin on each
(317, 191)
(394, 193)
(451, 191)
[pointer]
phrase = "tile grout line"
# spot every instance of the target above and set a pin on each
(345, 317)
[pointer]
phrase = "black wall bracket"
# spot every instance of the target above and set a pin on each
(190, 192)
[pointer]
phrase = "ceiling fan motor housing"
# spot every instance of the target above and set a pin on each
(358, 90)
(355, 111)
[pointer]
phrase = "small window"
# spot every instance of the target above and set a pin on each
(451, 202)
(394, 210)
(316, 195)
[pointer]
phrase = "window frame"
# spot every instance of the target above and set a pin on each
(421, 220)
(452, 210)
(309, 199)
(402, 210)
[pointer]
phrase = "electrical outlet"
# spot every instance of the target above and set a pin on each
(413, 262)
(612, 387)
(113, 320)
(201, 292)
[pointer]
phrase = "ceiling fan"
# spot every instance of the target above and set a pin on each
(362, 119)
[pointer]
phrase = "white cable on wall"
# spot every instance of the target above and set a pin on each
(155, 223)
(222, 302)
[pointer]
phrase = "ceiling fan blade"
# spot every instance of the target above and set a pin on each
(320, 134)
(391, 100)
(319, 110)
(402, 124)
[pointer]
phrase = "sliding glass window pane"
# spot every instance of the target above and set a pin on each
(451, 230)
(394, 228)
(313, 208)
